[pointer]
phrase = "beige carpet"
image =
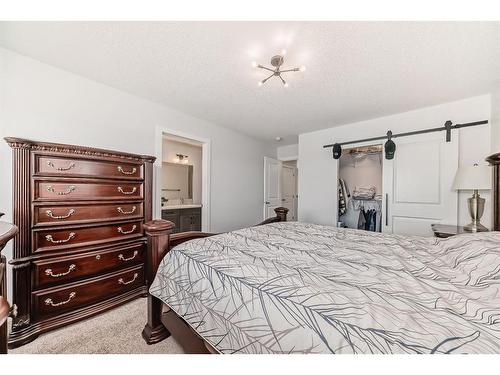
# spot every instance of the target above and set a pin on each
(116, 331)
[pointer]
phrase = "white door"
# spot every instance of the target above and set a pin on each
(417, 184)
(272, 186)
(289, 191)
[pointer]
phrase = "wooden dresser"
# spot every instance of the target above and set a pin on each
(81, 246)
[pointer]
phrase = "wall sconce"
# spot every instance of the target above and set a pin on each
(180, 158)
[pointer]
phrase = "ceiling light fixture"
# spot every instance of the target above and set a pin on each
(277, 62)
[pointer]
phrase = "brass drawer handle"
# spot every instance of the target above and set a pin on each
(120, 280)
(120, 230)
(121, 257)
(50, 164)
(51, 215)
(120, 189)
(120, 210)
(13, 311)
(70, 189)
(120, 169)
(71, 268)
(49, 301)
(49, 238)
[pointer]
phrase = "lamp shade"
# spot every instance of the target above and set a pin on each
(474, 177)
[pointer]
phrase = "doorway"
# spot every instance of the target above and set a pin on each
(182, 180)
(360, 188)
(280, 187)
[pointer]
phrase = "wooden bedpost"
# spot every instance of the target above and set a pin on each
(158, 235)
(280, 216)
(281, 213)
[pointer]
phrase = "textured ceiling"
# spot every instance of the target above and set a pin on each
(355, 70)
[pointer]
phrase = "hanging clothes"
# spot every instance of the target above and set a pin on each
(362, 219)
(367, 220)
(371, 222)
(343, 197)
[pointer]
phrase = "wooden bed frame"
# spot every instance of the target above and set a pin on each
(494, 160)
(162, 321)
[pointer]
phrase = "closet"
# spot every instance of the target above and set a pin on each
(360, 188)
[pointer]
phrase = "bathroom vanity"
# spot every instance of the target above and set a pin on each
(186, 217)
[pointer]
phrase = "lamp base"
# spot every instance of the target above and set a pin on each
(476, 209)
(475, 227)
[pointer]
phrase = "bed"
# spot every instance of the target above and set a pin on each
(286, 287)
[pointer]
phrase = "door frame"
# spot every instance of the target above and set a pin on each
(295, 188)
(264, 209)
(363, 144)
(160, 131)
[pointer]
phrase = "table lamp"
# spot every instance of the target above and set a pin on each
(475, 178)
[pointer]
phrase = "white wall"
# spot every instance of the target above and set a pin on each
(41, 102)
(318, 170)
(170, 149)
(495, 121)
(288, 152)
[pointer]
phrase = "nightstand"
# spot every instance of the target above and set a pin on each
(445, 231)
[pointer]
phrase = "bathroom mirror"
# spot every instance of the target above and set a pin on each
(177, 181)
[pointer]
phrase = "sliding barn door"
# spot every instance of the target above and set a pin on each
(418, 184)
(272, 186)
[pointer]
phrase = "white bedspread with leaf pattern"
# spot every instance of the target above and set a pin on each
(303, 288)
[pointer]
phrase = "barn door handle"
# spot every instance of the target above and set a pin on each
(386, 209)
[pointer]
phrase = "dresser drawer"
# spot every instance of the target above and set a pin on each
(66, 238)
(68, 191)
(46, 165)
(53, 301)
(69, 268)
(45, 215)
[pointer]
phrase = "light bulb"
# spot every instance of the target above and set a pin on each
(285, 84)
(283, 52)
(176, 160)
(254, 64)
(185, 161)
(260, 83)
(302, 68)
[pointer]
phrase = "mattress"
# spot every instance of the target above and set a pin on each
(303, 288)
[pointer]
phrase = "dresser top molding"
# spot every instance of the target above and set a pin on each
(75, 150)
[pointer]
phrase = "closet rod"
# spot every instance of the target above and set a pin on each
(448, 127)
